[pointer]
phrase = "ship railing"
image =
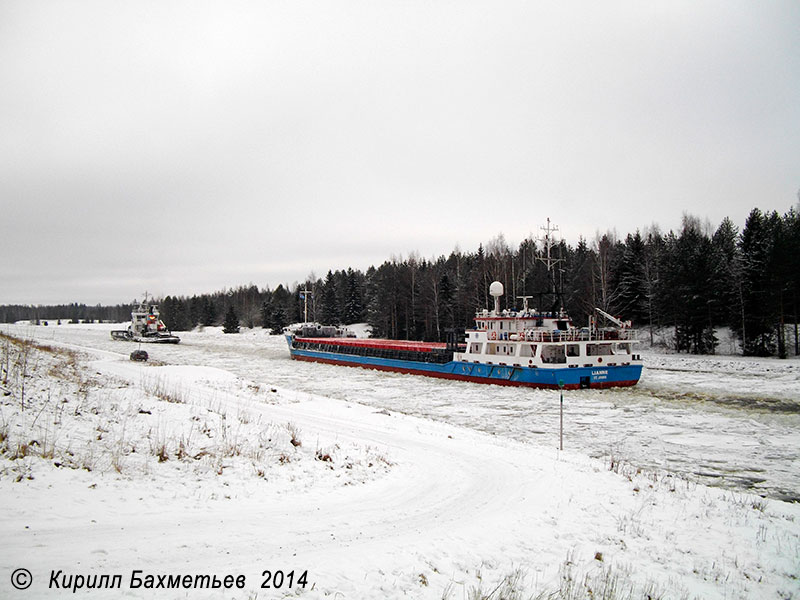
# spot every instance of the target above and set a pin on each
(520, 314)
(577, 335)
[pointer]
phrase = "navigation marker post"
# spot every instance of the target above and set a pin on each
(561, 415)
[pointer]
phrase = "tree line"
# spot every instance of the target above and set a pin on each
(67, 313)
(690, 282)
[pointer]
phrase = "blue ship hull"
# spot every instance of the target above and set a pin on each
(542, 377)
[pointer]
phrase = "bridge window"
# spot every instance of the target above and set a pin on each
(599, 350)
(554, 354)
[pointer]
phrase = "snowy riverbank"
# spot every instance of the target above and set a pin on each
(723, 421)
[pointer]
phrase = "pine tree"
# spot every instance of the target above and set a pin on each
(231, 324)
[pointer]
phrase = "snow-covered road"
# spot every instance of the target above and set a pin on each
(443, 503)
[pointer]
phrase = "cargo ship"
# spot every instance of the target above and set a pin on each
(506, 347)
(525, 347)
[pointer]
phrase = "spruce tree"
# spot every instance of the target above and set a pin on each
(209, 312)
(278, 320)
(353, 311)
(194, 311)
(792, 297)
(724, 278)
(632, 300)
(330, 306)
(266, 313)
(579, 293)
(653, 258)
(174, 314)
(757, 329)
(282, 298)
(446, 302)
(781, 269)
(687, 288)
(231, 324)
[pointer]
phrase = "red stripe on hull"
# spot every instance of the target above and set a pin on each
(574, 386)
(405, 345)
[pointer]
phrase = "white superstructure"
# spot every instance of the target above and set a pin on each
(529, 338)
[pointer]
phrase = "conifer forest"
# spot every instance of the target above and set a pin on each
(690, 282)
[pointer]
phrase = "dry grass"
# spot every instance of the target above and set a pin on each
(151, 428)
(294, 432)
(596, 583)
(158, 387)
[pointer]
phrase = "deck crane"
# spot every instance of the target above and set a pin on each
(615, 320)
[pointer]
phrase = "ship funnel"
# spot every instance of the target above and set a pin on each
(496, 290)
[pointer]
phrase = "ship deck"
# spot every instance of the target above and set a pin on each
(377, 343)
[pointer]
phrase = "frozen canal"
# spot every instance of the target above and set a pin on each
(725, 421)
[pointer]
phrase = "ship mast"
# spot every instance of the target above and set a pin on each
(304, 295)
(550, 262)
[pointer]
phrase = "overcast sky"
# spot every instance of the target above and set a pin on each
(183, 147)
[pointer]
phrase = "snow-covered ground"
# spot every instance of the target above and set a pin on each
(727, 421)
(222, 456)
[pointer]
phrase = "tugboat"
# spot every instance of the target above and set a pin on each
(146, 327)
(506, 347)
